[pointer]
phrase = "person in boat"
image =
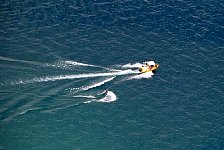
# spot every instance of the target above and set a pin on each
(102, 95)
(151, 66)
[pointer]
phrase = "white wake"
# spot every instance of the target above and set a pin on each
(129, 65)
(143, 75)
(93, 85)
(85, 96)
(78, 76)
(74, 63)
(96, 84)
(71, 64)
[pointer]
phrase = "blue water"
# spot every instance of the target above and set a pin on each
(45, 45)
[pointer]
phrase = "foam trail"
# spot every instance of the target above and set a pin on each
(85, 96)
(74, 63)
(64, 77)
(69, 63)
(78, 64)
(97, 84)
(21, 61)
(143, 75)
(136, 65)
(87, 65)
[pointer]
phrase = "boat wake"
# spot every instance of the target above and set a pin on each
(55, 92)
(76, 76)
(130, 71)
(93, 85)
(143, 75)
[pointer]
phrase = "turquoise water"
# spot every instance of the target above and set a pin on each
(57, 57)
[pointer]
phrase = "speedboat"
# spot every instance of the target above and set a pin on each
(149, 66)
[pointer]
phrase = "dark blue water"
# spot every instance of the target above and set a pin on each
(56, 57)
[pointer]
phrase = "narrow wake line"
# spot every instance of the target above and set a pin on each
(69, 63)
(97, 84)
(78, 64)
(74, 63)
(64, 77)
(85, 96)
(136, 65)
(143, 75)
(21, 61)
(65, 64)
